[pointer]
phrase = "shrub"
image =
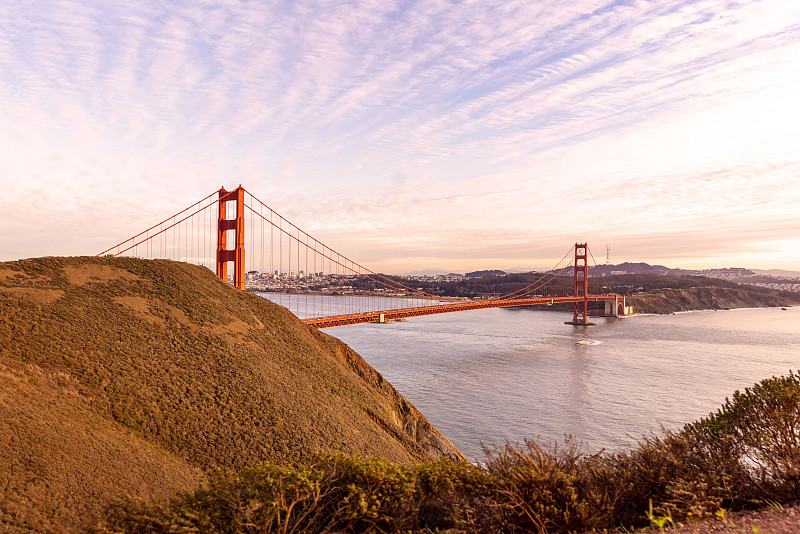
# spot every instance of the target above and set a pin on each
(453, 495)
(267, 498)
(758, 433)
(680, 479)
(364, 496)
(558, 489)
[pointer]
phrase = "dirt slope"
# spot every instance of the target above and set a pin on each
(130, 377)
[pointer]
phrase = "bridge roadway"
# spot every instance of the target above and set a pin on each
(400, 313)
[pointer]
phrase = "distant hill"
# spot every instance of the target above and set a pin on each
(482, 274)
(727, 273)
(638, 268)
(668, 293)
(778, 273)
(128, 378)
(670, 300)
(773, 279)
(643, 268)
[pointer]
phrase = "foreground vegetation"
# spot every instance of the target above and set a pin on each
(746, 454)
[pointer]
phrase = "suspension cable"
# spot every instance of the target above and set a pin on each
(162, 222)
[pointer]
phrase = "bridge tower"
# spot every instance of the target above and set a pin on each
(581, 279)
(236, 254)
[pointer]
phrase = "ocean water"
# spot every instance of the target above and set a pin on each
(485, 377)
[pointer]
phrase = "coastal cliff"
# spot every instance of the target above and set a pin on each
(710, 298)
(125, 378)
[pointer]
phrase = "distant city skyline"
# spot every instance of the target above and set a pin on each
(434, 136)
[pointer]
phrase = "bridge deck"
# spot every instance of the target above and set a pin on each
(400, 313)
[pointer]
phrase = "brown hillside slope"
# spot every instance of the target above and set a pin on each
(127, 377)
(710, 298)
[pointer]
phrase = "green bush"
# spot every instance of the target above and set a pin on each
(680, 479)
(268, 498)
(454, 495)
(365, 496)
(757, 432)
(555, 489)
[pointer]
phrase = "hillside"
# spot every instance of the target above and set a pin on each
(709, 298)
(127, 378)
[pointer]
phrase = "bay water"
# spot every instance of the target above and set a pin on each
(485, 377)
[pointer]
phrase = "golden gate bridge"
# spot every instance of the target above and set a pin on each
(286, 264)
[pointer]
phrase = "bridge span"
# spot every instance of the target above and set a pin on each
(282, 258)
(402, 313)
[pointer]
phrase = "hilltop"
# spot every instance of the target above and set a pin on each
(126, 378)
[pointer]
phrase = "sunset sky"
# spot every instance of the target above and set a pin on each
(411, 135)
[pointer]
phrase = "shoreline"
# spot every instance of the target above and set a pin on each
(704, 310)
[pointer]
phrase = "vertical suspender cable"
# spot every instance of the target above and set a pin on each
(271, 245)
(298, 273)
(261, 213)
(191, 251)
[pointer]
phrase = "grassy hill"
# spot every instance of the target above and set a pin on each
(128, 378)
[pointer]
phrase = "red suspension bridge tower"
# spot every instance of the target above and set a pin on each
(236, 254)
(580, 271)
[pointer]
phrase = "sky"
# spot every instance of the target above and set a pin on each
(411, 135)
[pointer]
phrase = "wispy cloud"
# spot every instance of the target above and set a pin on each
(374, 122)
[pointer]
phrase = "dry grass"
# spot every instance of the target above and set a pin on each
(83, 274)
(136, 366)
(61, 461)
(33, 295)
